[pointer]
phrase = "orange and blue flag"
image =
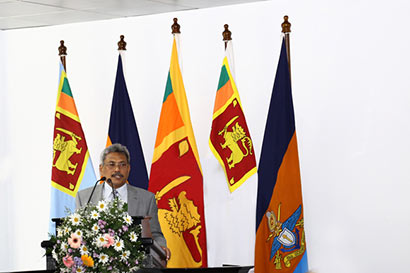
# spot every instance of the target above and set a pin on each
(123, 129)
(72, 169)
(280, 235)
(230, 140)
(176, 176)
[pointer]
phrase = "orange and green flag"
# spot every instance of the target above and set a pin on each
(72, 169)
(176, 176)
(230, 140)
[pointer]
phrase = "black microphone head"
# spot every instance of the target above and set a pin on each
(109, 181)
(103, 178)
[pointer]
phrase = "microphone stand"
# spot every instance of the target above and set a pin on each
(91, 195)
(114, 192)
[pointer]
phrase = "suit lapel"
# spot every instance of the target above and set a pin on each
(132, 200)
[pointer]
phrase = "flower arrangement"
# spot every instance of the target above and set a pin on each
(98, 238)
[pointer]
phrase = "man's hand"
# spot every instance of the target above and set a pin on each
(167, 252)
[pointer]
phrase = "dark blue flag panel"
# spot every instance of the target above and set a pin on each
(123, 130)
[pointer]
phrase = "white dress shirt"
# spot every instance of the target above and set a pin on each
(122, 192)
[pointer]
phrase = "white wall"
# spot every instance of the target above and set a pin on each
(352, 104)
(4, 160)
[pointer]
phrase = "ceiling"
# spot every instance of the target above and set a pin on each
(16, 14)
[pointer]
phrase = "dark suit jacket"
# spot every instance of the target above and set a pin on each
(140, 203)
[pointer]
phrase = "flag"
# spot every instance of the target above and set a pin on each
(72, 169)
(123, 129)
(230, 140)
(280, 236)
(176, 176)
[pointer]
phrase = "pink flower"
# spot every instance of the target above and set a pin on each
(74, 241)
(68, 261)
(109, 240)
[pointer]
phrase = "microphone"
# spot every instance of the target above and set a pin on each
(102, 179)
(114, 194)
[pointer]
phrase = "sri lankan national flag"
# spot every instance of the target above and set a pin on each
(176, 176)
(280, 237)
(123, 129)
(72, 169)
(230, 140)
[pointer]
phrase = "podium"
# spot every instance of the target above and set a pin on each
(155, 255)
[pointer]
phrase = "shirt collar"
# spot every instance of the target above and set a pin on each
(122, 192)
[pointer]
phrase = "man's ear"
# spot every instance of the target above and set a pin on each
(101, 166)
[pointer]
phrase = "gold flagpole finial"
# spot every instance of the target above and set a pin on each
(122, 44)
(175, 27)
(286, 25)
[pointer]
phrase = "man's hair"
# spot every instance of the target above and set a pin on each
(115, 148)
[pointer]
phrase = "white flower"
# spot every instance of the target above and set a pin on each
(79, 269)
(100, 241)
(60, 232)
(75, 219)
(55, 255)
(84, 250)
(104, 258)
(119, 245)
(127, 219)
(102, 206)
(95, 228)
(79, 233)
(133, 237)
(125, 255)
(64, 246)
(95, 214)
(67, 230)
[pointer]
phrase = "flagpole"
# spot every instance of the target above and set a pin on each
(62, 52)
(286, 30)
(226, 34)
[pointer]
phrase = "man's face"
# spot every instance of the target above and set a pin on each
(115, 166)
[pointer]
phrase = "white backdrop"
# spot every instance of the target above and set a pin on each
(352, 103)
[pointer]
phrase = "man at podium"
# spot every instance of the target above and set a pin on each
(115, 168)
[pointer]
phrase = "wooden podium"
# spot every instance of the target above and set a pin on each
(156, 256)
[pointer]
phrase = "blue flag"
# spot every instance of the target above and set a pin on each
(123, 130)
(280, 236)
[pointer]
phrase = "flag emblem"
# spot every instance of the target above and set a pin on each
(288, 237)
(237, 141)
(230, 140)
(70, 152)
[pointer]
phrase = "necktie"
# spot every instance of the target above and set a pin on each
(115, 194)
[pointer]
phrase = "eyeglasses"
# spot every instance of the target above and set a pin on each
(111, 165)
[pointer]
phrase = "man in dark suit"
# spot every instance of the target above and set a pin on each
(115, 164)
